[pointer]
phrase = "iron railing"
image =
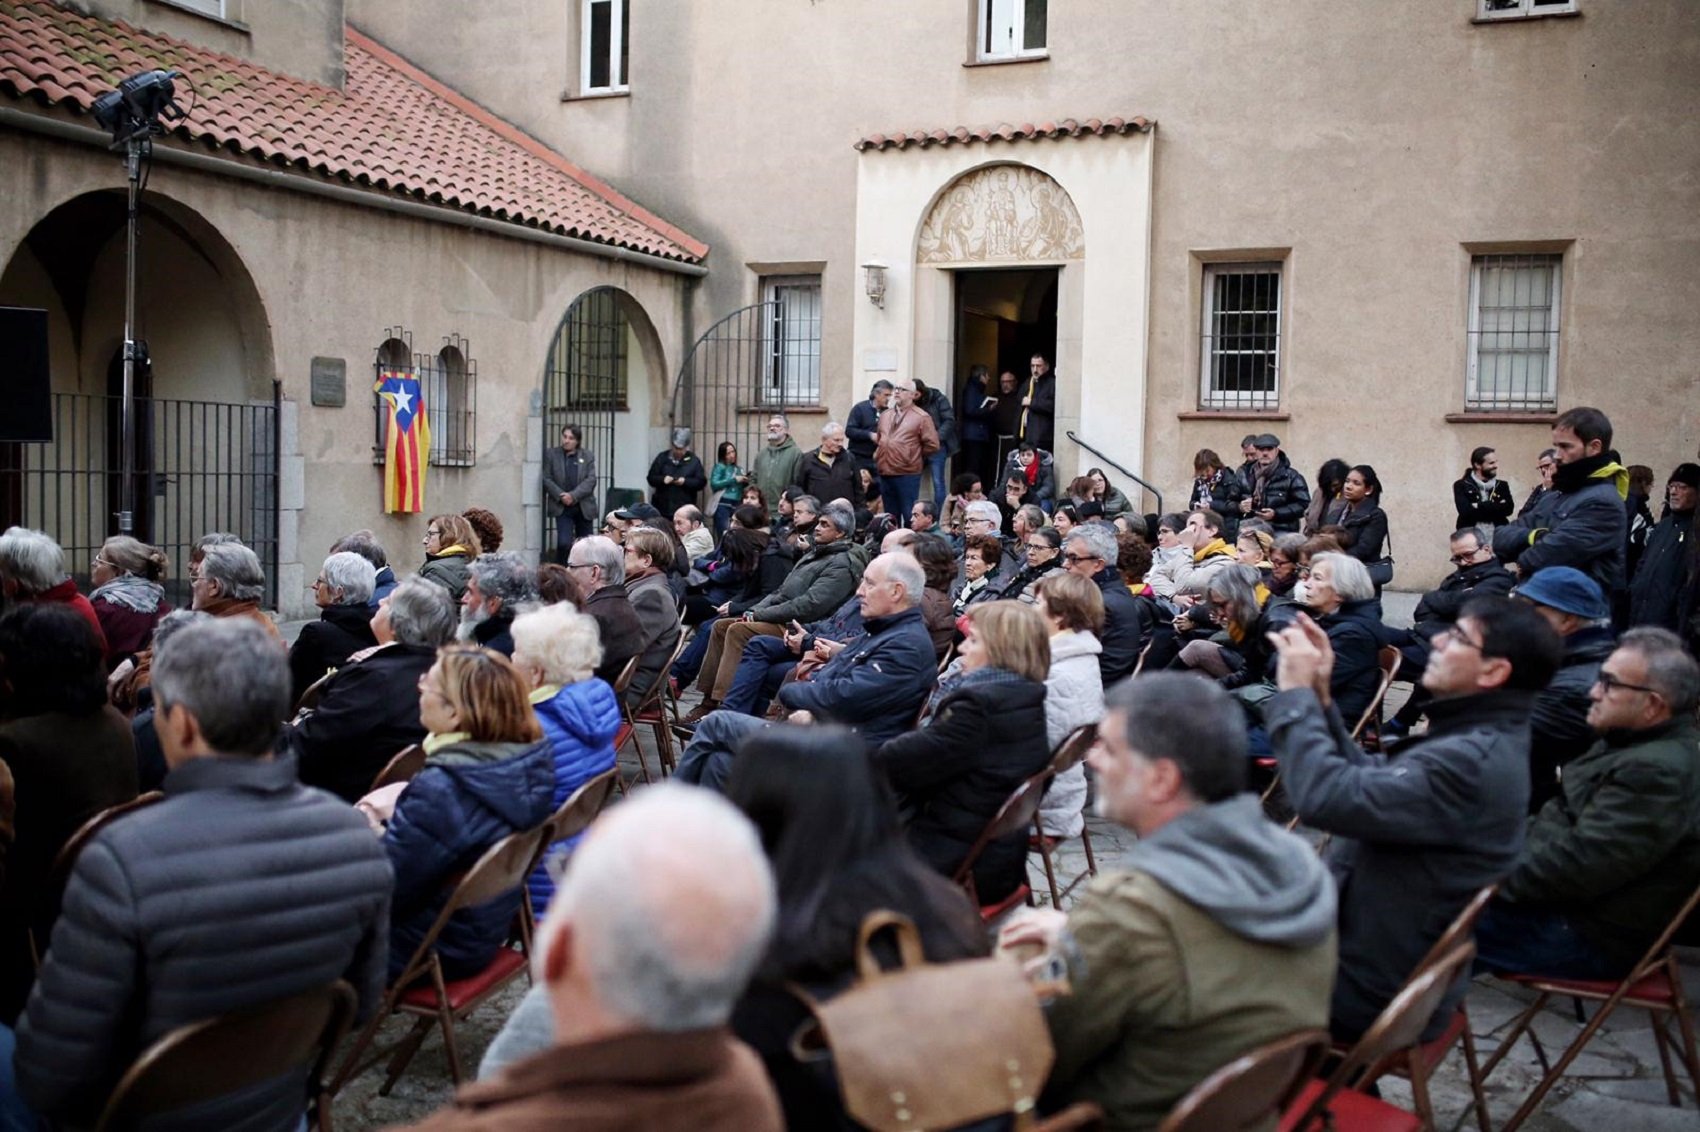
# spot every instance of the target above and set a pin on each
(200, 466)
(585, 382)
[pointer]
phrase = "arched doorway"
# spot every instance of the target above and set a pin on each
(206, 422)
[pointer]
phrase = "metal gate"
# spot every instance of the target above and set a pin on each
(758, 359)
(200, 466)
(584, 382)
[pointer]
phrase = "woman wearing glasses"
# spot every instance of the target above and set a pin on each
(450, 547)
(1042, 550)
(127, 597)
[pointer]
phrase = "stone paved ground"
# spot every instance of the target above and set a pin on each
(1617, 1084)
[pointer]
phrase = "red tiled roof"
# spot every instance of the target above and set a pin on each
(393, 128)
(1027, 131)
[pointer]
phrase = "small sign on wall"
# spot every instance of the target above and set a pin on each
(330, 382)
(879, 360)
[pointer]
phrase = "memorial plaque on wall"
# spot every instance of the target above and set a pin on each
(330, 382)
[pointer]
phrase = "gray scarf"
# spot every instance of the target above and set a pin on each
(138, 595)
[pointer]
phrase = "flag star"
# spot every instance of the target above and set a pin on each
(403, 400)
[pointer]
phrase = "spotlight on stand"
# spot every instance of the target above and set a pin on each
(135, 108)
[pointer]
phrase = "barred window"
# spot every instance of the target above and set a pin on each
(1522, 9)
(589, 359)
(791, 340)
(451, 402)
(1240, 332)
(1513, 333)
(394, 355)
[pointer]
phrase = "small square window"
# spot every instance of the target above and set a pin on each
(604, 46)
(1010, 29)
(1240, 337)
(790, 340)
(1522, 9)
(1513, 333)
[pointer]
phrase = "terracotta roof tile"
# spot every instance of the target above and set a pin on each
(393, 126)
(1027, 131)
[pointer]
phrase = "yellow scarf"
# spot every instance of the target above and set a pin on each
(435, 743)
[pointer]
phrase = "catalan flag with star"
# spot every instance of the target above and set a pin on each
(407, 440)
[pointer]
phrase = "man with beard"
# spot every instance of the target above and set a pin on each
(1581, 521)
(496, 586)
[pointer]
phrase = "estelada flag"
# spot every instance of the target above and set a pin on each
(407, 440)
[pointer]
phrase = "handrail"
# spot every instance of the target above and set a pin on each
(1130, 475)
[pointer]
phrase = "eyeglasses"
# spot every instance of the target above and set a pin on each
(1071, 558)
(1609, 682)
(1040, 546)
(581, 565)
(978, 519)
(1465, 559)
(319, 582)
(99, 561)
(1454, 636)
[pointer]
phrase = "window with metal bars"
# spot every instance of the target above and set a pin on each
(1522, 9)
(450, 379)
(605, 53)
(1240, 336)
(791, 342)
(1011, 29)
(1513, 333)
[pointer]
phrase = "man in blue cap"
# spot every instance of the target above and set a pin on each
(1573, 604)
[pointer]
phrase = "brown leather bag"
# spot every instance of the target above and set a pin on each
(931, 1045)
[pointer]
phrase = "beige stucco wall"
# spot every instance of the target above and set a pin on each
(326, 279)
(297, 37)
(1373, 144)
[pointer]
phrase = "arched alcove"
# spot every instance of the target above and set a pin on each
(1001, 213)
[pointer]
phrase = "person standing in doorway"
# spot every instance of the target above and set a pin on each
(569, 489)
(906, 440)
(1039, 405)
(978, 425)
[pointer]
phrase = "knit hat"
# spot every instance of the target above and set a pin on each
(1686, 474)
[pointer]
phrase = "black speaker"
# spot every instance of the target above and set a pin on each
(26, 406)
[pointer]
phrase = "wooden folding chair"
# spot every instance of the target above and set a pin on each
(219, 1056)
(1139, 665)
(1015, 815)
(621, 683)
(1070, 753)
(1252, 1089)
(1388, 658)
(66, 859)
(1654, 984)
(1416, 1062)
(408, 761)
(422, 990)
(1337, 1102)
(649, 712)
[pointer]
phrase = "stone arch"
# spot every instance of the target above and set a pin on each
(1002, 212)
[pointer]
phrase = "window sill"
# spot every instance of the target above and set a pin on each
(594, 95)
(1501, 416)
(1526, 17)
(221, 21)
(1010, 60)
(1234, 415)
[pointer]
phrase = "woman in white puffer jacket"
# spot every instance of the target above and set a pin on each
(1074, 691)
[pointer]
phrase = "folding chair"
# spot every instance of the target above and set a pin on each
(66, 859)
(1416, 1062)
(219, 1056)
(408, 761)
(621, 683)
(1654, 984)
(1015, 815)
(310, 696)
(1252, 1089)
(574, 817)
(1070, 753)
(1336, 1103)
(648, 711)
(423, 992)
(1139, 665)
(1388, 658)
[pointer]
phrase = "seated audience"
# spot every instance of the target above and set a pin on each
(241, 887)
(1073, 609)
(1419, 831)
(1202, 536)
(662, 916)
(32, 571)
(1040, 549)
(497, 586)
(151, 767)
(688, 524)
(982, 735)
(647, 552)
(344, 627)
(1559, 729)
(1217, 935)
(450, 546)
(556, 586)
(1230, 603)
(230, 583)
(556, 650)
(1171, 558)
(981, 558)
(1036, 470)
(1092, 552)
(127, 597)
(1133, 560)
(1609, 861)
(1337, 592)
(1284, 565)
(369, 710)
(1253, 549)
(938, 613)
(489, 772)
(366, 545)
(1362, 519)
(71, 756)
(599, 566)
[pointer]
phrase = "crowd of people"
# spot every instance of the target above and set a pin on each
(877, 673)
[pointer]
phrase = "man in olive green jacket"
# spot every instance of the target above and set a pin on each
(1219, 938)
(1610, 860)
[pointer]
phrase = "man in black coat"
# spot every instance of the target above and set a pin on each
(1274, 490)
(1581, 521)
(829, 472)
(1420, 830)
(599, 566)
(241, 887)
(862, 427)
(1655, 594)
(676, 475)
(1129, 621)
(1480, 497)
(1038, 423)
(569, 489)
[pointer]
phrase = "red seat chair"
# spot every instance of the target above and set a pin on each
(1015, 815)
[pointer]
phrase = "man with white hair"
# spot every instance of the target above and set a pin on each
(1091, 552)
(665, 910)
(32, 568)
(598, 565)
(231, 583)
(496, 586)
(829, 472)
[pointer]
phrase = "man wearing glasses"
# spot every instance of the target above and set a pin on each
(1420, 830)
(598, 565)
(1609, 862)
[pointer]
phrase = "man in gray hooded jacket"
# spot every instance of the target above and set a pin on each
(1217, 939)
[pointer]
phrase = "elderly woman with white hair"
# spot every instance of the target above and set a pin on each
(32, 569)
(230, 583)
(557, 649)
(342, 590)
(1337, 593)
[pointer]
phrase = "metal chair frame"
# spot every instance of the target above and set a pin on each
(1252, 1088)
(632, 719)
(1016, 813)
(1071, 752)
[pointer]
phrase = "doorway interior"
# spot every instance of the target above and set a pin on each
(1003, 318)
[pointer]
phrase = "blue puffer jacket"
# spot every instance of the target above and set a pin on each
(468, 797)
(579, 723)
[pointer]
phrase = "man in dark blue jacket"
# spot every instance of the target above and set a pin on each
(876, 684)
(1581, 521)
(1091, 552)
